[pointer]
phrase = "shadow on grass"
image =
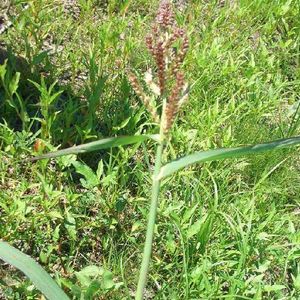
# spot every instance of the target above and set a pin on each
(72, 119)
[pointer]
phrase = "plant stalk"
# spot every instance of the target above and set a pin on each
(151, 224)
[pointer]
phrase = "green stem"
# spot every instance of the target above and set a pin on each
(151, 225)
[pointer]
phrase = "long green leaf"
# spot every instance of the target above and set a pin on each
(97, 145)
(219, 154)
(33, 270)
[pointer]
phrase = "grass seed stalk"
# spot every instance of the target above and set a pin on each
(168, 45)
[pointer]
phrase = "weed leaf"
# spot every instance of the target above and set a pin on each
(91, 178)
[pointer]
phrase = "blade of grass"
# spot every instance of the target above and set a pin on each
(218, 154)
(97, 145)
(33, 271)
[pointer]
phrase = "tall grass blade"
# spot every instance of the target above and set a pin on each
(97, 145)
(33, 271)
(218, 154)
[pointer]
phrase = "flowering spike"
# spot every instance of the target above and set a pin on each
(168, 45)
(146, 99)
(165, 16)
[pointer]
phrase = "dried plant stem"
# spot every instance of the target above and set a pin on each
(151, 223)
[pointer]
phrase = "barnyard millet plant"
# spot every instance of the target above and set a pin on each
(163, 91)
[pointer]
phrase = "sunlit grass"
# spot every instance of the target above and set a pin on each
(224, 229)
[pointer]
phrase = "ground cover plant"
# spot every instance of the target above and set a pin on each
(227, 229)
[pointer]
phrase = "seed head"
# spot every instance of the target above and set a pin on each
(142, 95)
(160, 63)
(173, 103)
(165, 16)
(168, 45)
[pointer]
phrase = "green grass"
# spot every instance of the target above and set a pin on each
(227, 229)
